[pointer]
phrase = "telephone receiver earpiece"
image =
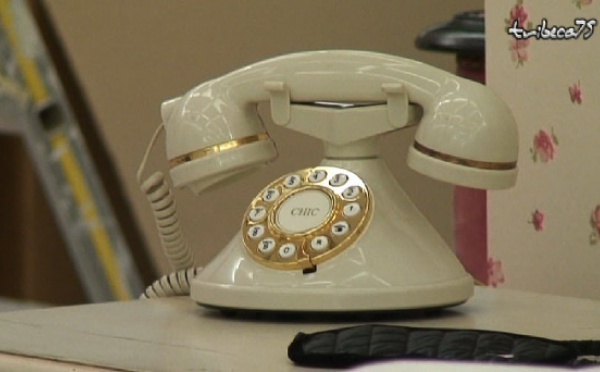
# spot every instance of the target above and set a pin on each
(466, 135)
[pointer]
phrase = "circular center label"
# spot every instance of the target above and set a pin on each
(303, 211)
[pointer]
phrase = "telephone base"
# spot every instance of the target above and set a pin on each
(399, 263)
(328, 316)
(333, 300)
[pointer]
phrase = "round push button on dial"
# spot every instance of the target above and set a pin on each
(351, 192)
(340, 228)
(257, 214)
(351, 209)
(319, 244)
(317, 176)
(266, 246)
(304, 211)
(338, 179)
(292, 181)
(287, 251)
(256, 231)
(271, 195)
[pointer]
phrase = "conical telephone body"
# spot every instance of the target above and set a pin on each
(399, 262)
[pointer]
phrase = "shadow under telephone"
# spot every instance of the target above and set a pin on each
(341, 235)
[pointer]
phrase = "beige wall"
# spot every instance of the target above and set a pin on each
(550, 214)
(131, 55)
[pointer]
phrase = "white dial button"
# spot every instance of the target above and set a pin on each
(351, 192)
(338, 179)
(319, 244)
(256, 231)
(340, 228)
(292, 181)
(266, 246)
(317, 176)
(351, 209)
(270, 195)
(303, 211)
(257, 214)
(287, 250)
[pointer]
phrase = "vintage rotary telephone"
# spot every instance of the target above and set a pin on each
(341, 236)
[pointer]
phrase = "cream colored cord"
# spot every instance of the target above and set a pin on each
(174, 284)
(173, 242)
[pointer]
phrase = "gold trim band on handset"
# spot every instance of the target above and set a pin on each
(229, 145)
(487, 165)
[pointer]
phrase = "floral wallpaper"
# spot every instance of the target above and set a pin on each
(545, 146)
(576, 93)
(541, 58)
(595, 222)
(519, 16)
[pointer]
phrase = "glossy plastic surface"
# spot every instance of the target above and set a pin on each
(466, 135)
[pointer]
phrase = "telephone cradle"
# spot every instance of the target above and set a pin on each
(341, 236)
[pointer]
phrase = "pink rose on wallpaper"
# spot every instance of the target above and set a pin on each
(519, 50)
(544, 146)
(519, 14)
(519, 47)
(596, 218)
(576, 93)
(495, 273)
(595, 221)
(537, 219)
(580, 3)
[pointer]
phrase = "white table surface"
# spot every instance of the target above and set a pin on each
(177, 335)
(9, 304)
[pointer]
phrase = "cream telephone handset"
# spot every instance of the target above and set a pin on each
(342, 235)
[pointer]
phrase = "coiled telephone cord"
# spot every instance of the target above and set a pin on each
(173, 242)
(174, 284)
(167, 221)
